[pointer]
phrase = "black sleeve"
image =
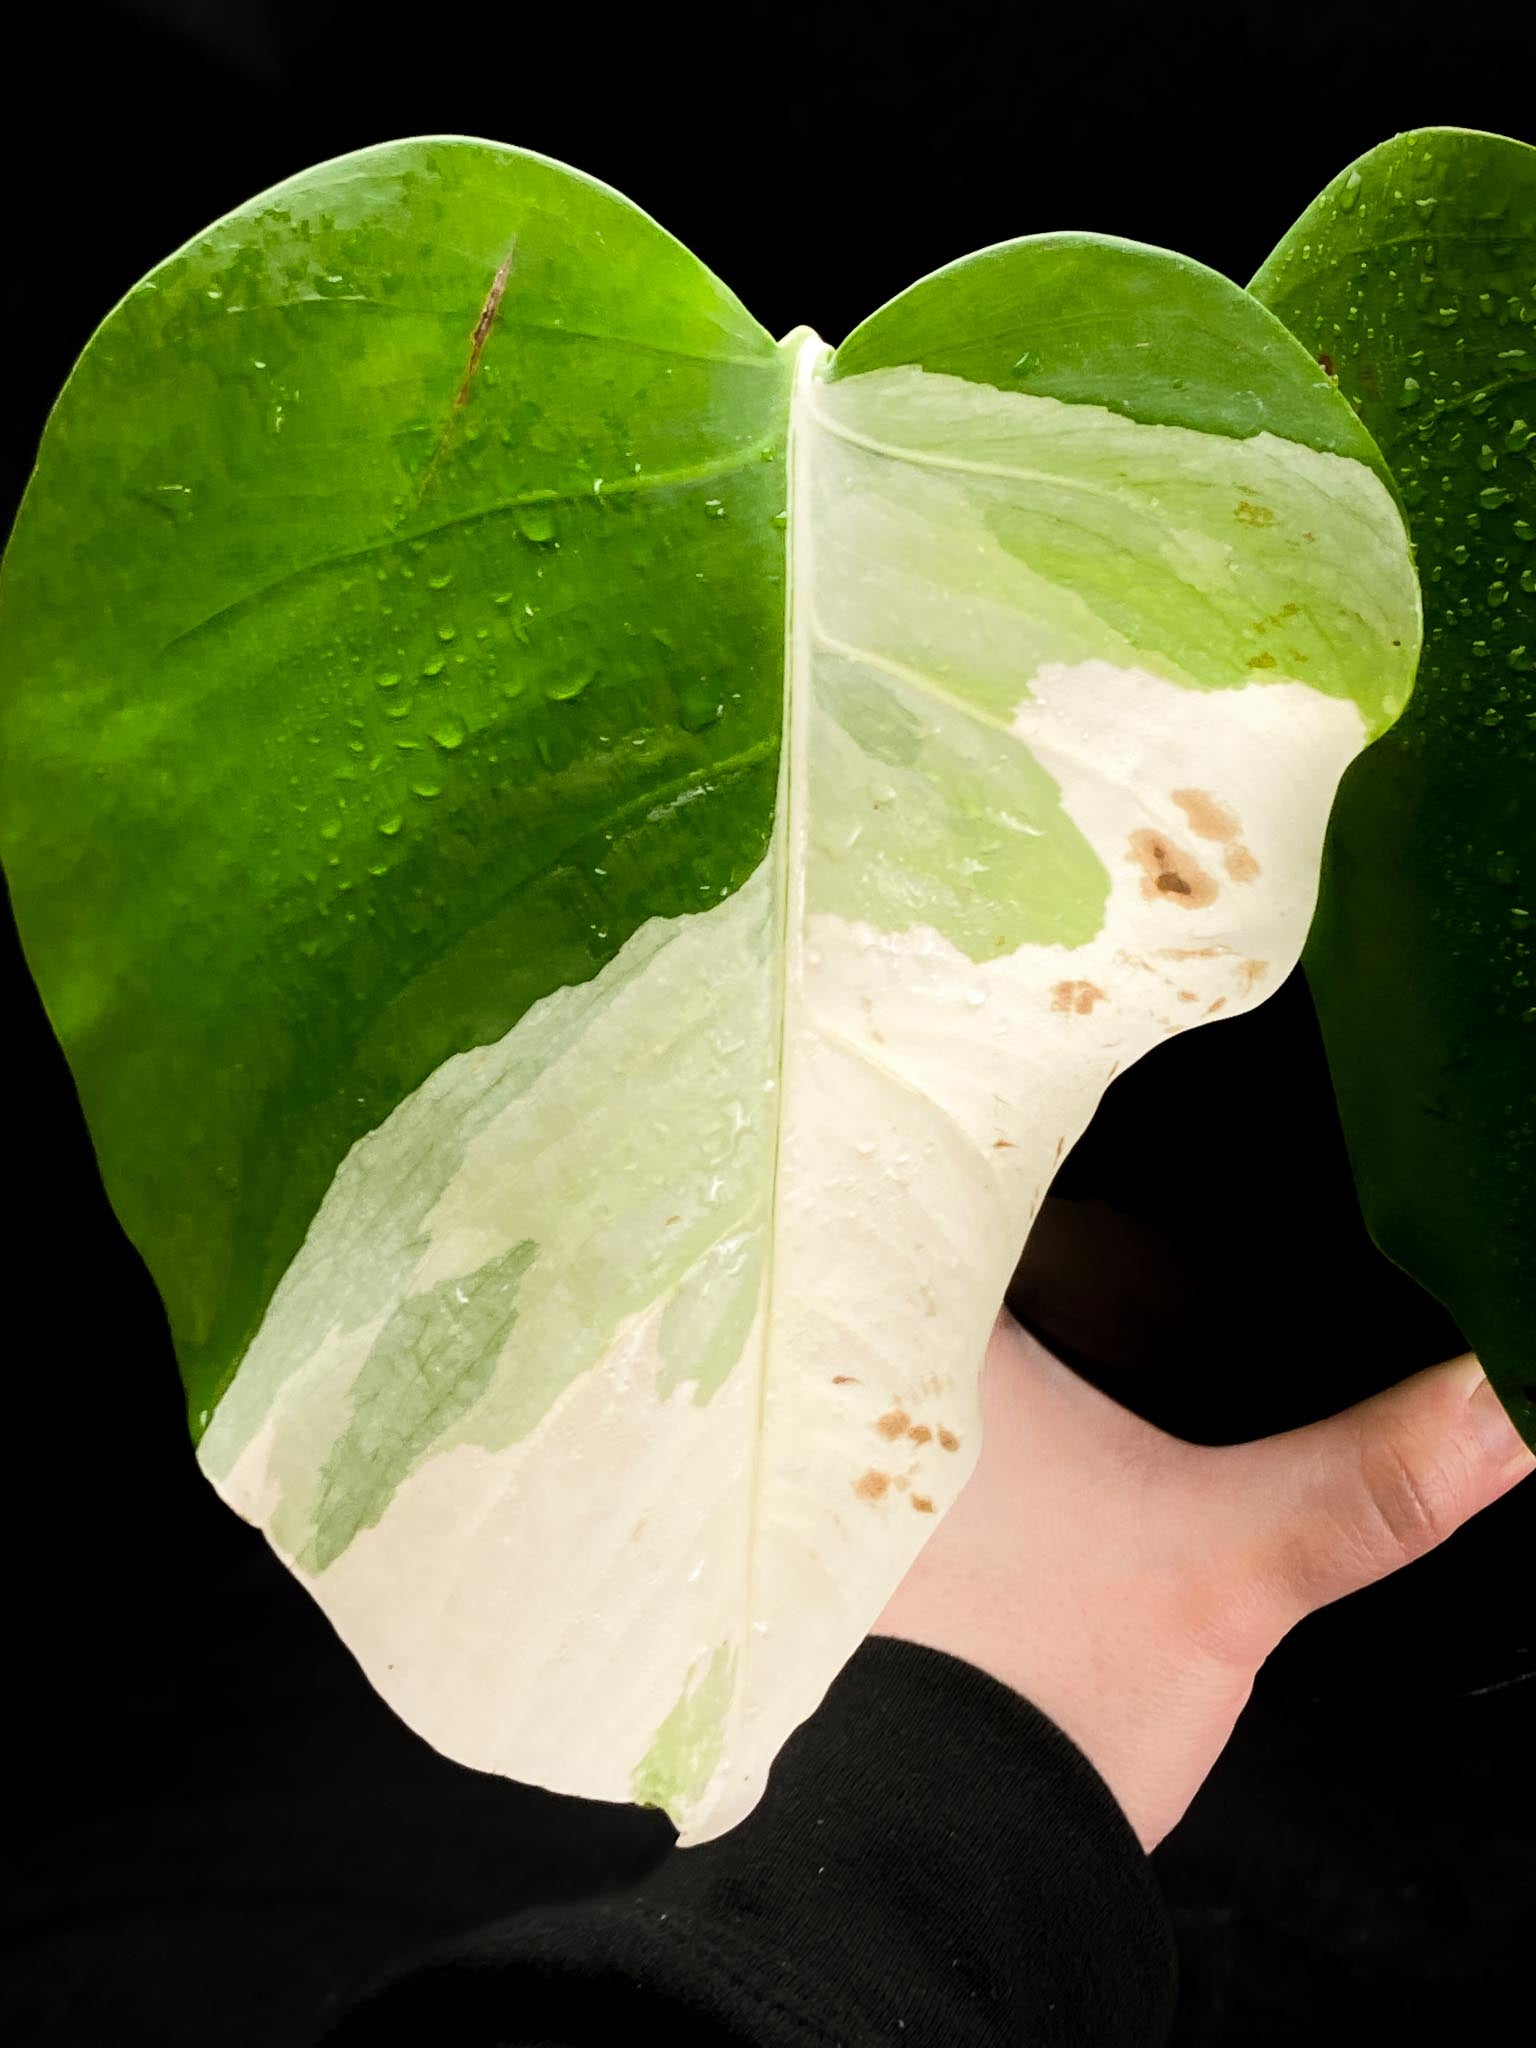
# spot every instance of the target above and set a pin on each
(934, 1862)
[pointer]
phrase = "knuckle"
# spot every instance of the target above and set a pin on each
(1410, 1504)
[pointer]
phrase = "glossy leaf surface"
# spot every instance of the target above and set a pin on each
(1414, 278)
(589, 866)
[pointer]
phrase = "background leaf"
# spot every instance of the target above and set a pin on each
(1413, 277)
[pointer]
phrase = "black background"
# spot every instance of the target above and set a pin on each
(218, 1829)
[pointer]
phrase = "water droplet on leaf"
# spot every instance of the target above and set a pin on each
(535, 524)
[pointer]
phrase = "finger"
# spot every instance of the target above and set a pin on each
(1339, 1504)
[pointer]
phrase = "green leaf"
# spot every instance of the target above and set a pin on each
(590, 865)
(1413, 277)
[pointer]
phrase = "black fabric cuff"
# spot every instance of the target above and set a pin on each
(943, 1864)
(934, 1862)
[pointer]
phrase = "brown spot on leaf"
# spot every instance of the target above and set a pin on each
(1240, 864)
(1265, 660)
(1253, 515)
(872, 1486)
(1076, 997)
(920, 1433)
(1208, 819)
(844, 1379)
(901, 1482)
(1004, 1145)
(948, 1441)
(1254, 972)
(895, 1424)
(1325, 363)
(1169, 873)
(490, 307)
(484, 324)
(922, 1503)
(1219, 1004)
(1187, 995)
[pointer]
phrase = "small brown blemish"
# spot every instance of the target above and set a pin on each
(948, 1441)
(1192, 952)
(901, 1482)
(1219, 1004)
(1265, 660)
(670, 1221)
(1076, 997)
(920, 1433)
(1309, 536)
(868, 1007)
(872, 1486)
(490, 307)
(1325, 364)
(1254, 972)
(844, 1379)
(1187, 995)
(485, 323)
(1253, 515)
(895, 1424)
(1169, 873)
(1208, 819)
(1004, 1145)
(1240, 864)
(922, 1503)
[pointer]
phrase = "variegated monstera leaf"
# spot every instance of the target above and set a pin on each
(590, 864)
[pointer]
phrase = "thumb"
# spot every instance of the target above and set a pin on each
(1341, 1503)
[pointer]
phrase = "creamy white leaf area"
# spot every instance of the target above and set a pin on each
(627, 1366)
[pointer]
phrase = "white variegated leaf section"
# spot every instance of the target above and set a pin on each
(627, 1366)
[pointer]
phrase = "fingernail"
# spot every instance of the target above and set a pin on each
(1495, 1432)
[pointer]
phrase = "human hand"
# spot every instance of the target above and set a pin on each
(1130, 1585)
